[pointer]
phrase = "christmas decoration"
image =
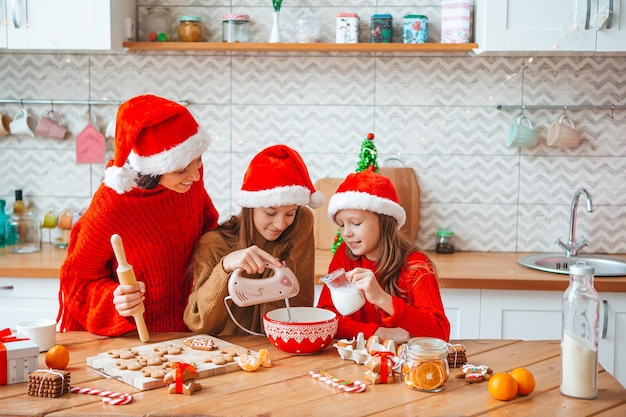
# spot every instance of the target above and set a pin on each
(368, 159)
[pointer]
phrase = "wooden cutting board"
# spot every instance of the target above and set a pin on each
(105, 363)
(405, 182)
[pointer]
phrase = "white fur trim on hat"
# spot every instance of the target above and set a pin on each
(172, 159)
(121, 179)
(356, 200)
(275, 197)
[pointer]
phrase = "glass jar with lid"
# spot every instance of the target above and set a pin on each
(190, 29)
(445, 243)
(425, 364)
(235, 27)
(157, 25)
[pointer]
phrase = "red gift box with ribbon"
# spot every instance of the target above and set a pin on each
(18, 357)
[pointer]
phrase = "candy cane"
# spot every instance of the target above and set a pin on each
(109, 397)
(356, 386)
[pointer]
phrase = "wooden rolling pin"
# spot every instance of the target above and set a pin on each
(126, 276)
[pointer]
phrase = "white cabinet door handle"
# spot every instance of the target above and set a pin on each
(7, 287)
(605, 325)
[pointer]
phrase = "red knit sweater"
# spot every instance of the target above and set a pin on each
(421, 313)
(159, 229)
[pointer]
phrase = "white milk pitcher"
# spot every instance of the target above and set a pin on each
(346, 298)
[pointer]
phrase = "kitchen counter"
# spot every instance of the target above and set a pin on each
(468, 270)
(286, 389)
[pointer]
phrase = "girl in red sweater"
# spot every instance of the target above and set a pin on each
(153, 196)
(398, 281)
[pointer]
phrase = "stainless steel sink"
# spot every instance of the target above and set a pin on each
(558, 263)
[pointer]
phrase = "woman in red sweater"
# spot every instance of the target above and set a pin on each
(153, 196)
(398, 281)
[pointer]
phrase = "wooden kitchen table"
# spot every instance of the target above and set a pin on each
(286, 389)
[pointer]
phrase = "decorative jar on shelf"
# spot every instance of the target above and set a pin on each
(157, 25)
(190, 29)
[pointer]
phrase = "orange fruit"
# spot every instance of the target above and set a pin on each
(58, 357)
(525, 380)
(428, 376)
(264, 358)
(502, 386)
(248, 362)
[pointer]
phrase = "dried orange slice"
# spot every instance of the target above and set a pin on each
(428, 376)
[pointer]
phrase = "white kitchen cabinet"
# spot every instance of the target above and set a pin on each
(27, 299)
(67, 24)
(527, 315)
(3, 24)
(613, 334)
(549, 25)
(462, 308)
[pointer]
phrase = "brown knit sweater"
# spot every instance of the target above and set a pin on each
(206, 312)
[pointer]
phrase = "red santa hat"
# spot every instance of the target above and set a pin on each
(367, 190)
(153, 136)
(277, 176)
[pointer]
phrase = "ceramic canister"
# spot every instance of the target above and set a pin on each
(415, 29)
(347, 28)
(381, 30)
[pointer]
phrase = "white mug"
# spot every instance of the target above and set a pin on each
(4, 125)
(110, 129)
(562, 135)
(23, 123)
(42, 332)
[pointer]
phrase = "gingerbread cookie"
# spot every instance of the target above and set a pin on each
(156, 371)
(124, 353)
(219, 357)
(200, 343)
(169, 350)
(153, 360)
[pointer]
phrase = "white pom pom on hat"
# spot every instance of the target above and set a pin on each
(277, 176)
(367, 190)
(153, 136)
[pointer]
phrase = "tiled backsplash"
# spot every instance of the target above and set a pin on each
(433, 112)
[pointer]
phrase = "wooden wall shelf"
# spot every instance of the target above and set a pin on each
(299, 47)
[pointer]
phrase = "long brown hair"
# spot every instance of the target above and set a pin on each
(240, 231)
(394, 249)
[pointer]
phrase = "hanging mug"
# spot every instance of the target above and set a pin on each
(522, 134)
(563, 133)
(50, 126)
(4, 124)
(23, 123)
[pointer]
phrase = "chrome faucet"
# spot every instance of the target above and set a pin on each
(571, 246)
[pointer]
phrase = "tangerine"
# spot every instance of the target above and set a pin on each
(57, 357)
(248, 362)
(502, 386)
(525, 380)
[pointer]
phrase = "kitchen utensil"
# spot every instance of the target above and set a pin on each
(522, 134)
(5, 121)
(50, 126)
(244, 292)
(23, 123)
(42, 332)
(563, 133)
(309, 330)
(346, 298)
(126, 276)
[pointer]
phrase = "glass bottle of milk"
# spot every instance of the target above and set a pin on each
(579, 339)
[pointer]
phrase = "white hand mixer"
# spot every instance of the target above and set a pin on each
(245, 292)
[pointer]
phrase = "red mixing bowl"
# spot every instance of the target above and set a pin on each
(310, 330)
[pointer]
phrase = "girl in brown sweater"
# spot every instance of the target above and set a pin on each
(274, 227)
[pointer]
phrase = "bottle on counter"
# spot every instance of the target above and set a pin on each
(4, 217)
(579, 338)
(22, 231)
(445, 243)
